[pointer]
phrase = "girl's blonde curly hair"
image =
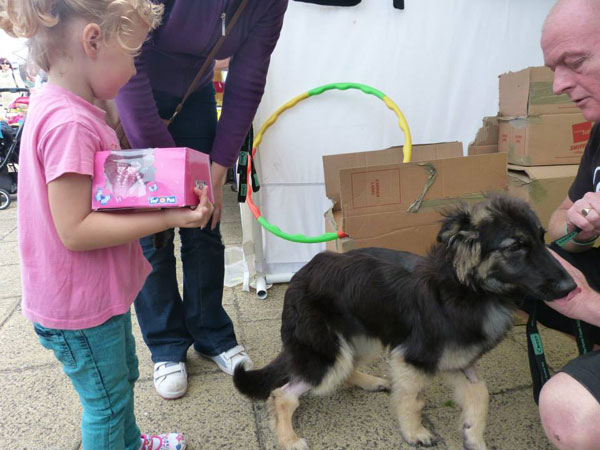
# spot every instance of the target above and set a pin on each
(40, 21)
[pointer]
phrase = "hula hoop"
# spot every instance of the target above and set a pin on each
(407, 153)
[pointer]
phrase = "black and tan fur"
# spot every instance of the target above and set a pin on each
(436, 314)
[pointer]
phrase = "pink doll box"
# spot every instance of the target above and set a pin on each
(149, 178)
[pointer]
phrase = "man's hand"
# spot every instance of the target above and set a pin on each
(583, 302)
(585, 214)
(219, 176)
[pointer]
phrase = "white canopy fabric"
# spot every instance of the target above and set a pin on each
(438, 60)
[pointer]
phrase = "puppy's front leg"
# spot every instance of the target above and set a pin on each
(407, 400)
(472, 395)
(282, 403)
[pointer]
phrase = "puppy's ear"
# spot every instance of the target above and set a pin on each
(460, 237)
(455, 221)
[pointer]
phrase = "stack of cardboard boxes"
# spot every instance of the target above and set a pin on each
(544, 136)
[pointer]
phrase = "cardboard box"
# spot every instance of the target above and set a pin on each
(486, 140)
(149, 178)
(543, 187)
(395, 187)
(555, 139)
(332, 164)
(529, 92)
(412, 232)
(375, 201)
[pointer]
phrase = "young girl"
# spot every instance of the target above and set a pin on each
(81, 270)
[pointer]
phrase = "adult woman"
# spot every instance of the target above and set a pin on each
(168, 63)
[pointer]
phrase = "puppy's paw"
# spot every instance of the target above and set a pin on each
(474, 446)
(297, 444)
(385, 385)
(421, 436)
(472, 441)
(369, 383)
(379, 385)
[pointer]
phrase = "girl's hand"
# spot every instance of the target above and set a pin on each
(197, 217)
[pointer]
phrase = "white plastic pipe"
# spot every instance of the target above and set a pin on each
(273, 278)
(261, 287)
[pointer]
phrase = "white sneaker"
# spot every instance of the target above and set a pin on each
(170, 379)
(229, 360)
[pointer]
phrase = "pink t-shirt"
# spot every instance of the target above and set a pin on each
(67, 289)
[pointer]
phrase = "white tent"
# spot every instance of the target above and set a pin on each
(15, 50)
(438, 60)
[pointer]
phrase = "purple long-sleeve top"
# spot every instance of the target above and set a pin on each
(171, 58)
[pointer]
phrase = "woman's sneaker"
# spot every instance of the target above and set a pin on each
(170, 379)
(171, 441)
(229, 360)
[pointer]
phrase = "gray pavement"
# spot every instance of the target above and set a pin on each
(40, 410)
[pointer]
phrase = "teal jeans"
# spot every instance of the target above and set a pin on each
(103, 367)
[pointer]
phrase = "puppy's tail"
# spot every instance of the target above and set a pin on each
(258, 384)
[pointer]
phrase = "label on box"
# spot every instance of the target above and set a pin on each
(581, 132)
(383, 188)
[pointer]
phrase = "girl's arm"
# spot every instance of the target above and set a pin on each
(80, 228)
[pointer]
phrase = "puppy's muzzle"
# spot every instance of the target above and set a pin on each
(562, 288)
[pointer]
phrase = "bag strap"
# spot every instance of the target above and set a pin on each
(210, 57)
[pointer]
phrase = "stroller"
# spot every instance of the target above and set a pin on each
(10, 138)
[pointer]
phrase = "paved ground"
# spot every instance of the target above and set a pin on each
(40, 410)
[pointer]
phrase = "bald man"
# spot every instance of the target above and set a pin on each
(570, 401)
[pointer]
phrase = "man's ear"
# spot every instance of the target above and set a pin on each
(91, 38)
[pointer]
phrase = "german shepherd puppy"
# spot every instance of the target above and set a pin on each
(437, 313)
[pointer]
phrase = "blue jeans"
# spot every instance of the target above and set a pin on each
(169, 323)
(103, 367)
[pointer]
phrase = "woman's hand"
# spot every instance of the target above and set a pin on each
(219, 176)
